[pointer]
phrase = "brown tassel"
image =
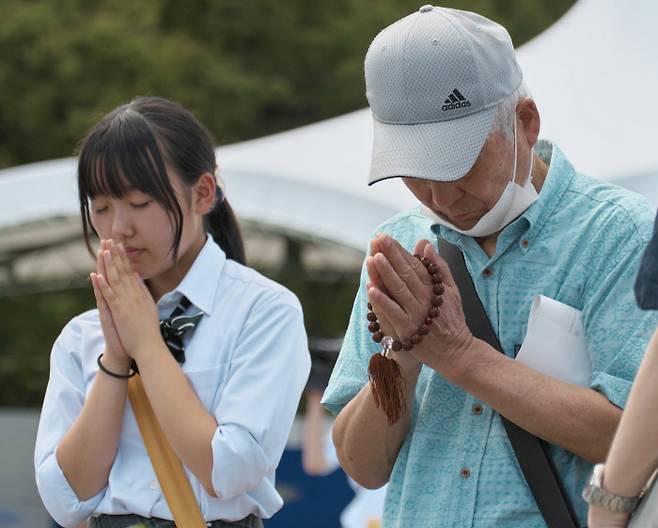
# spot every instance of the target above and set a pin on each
(386, 378)
(386, 383)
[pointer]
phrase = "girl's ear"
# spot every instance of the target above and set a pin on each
(203, 194)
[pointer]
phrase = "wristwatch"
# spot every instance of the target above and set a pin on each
(596, 495)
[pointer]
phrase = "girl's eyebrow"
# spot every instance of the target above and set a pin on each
(96, 196)
(127, 189)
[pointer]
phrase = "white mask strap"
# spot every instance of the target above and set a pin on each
(515, 148)
(532, 158)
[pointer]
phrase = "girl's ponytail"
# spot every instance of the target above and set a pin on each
(223, 225)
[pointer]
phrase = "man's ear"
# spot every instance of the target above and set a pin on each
(529, 120)
(203, 194)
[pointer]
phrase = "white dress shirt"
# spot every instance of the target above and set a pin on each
(248, 362)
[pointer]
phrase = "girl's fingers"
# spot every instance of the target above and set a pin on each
(132, 276)
(119, 270)
(100, 266)
(106, 291)
(124, 258)
(101, 304)
(102, 249)
(141, 283)
(95, 288)
(111, 273)
(116, 258)
(100, 259)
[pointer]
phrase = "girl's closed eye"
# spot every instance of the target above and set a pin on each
(141, 205)
(99, 206)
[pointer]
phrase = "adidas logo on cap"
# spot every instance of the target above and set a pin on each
(455, 100)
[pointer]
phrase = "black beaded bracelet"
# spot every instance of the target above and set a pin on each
(113, 374)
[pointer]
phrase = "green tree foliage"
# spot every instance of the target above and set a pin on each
(248, 68)
(28, 327)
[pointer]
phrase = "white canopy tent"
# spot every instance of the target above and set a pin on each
(592, 77)
(580, 71)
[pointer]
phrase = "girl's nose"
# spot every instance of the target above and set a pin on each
(121, 227)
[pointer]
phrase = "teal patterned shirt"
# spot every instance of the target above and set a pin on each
(580, 243)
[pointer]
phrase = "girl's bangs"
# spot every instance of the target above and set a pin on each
(120, 159)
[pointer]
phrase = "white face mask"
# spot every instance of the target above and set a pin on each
(512, 203)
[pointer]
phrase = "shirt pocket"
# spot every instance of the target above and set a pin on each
(570, 295)
(208, 384)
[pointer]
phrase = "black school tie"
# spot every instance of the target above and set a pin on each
(174, 327)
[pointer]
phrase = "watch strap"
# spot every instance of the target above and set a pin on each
(596, 495)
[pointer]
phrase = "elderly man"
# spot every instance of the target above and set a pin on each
(453, 120)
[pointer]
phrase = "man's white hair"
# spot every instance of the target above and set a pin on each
(504, 120)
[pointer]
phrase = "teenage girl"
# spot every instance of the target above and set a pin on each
(225, 393)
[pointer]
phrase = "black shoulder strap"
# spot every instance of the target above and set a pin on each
(531, 452)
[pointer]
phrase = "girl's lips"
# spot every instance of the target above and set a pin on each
(133, 252)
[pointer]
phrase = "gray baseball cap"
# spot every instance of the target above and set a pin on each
(433, 81)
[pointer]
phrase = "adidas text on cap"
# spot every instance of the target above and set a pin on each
(433, 81)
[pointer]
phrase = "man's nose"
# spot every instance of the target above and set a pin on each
(444, 195)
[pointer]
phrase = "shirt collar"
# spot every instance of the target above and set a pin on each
(202, 279)
(559, 176)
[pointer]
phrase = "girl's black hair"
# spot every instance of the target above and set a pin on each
(131, 147)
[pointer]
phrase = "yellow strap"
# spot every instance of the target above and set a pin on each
(168, 468)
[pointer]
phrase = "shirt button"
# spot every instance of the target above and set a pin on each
(487, 272)
(464, 472)
(477, 409)
(525, 242)
(154, 485)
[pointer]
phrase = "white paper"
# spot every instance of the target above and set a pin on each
(555, 342)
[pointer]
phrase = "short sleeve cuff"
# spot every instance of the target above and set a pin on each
(613, 388)
(59, 498)
(334, 399)
(239, 463)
